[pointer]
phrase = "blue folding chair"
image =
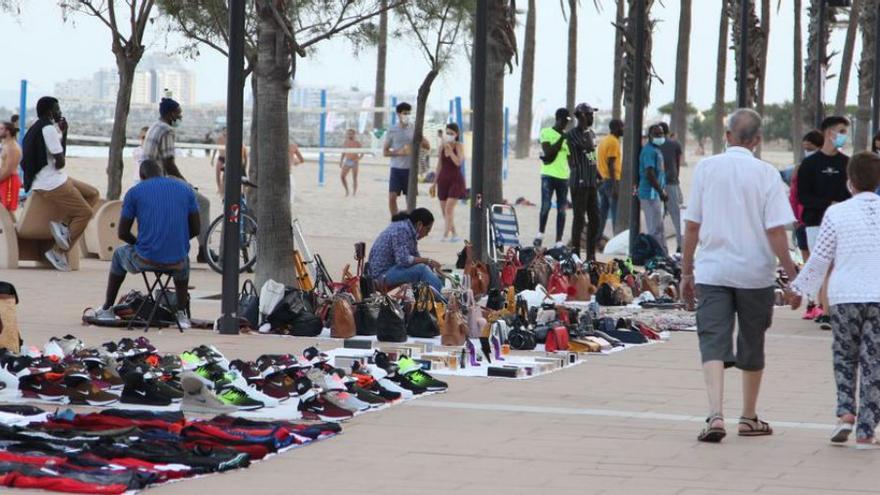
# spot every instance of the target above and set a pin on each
(503, 230)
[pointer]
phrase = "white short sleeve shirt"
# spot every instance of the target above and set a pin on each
(736, 198)
(49, 177)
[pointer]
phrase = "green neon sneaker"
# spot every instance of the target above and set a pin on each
(410, 371)
(232, 396)
(190, 360)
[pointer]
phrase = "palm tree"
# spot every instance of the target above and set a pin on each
(797, 115)
(813, 64)
(381, 56)
(764, 30)
(866, 75)
(680, 103)
(571, 72)
(720, 75)
(846, 61)
(526, 86)
(617, 90)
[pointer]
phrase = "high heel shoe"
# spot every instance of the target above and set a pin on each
(496, 348)
(472, 352)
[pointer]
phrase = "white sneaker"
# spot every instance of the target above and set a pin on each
(184, 320)
(841, 432)
(102, 314)
(57, 260)
(61, 234)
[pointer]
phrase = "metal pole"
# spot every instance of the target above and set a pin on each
(393, 111)
(22, 110)
(479, 121)
(451, 117)
(459, 119)
(636, 121)
(322, 139)
(742, 87)
(506, 143)
(234, 142)
(820, 63)
(875, 110)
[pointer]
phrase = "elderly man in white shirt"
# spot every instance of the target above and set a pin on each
(737, 213)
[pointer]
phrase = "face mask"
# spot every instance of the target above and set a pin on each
(404, 119)
(176, 122)
(808, 154)
(658, 141)
(840, 140)
(449, 138)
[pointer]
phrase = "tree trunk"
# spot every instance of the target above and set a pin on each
(862, 132)
(274, 235)
(571, 79)
(764, 31)
(253, 171)
(797, 114)
(810, 87)
(412, 190)
(526, 87)
(720, 77)
(846, 61)
(382, 45)
(617, 90)
(680, 103)
(126, 68)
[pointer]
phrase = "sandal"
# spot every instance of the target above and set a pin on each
(754, 427)
(712, 434)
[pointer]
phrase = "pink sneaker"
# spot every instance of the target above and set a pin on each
(810, 313)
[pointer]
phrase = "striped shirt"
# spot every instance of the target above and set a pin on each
(582, 158)
(158, 143)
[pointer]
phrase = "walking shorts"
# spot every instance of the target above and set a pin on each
(718, 309)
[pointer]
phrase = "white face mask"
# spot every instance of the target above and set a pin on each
(809, 153)
(176, 122)
(449, 138)
(404, 119)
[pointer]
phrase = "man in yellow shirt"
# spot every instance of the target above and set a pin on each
(554, 174)
(610, 155)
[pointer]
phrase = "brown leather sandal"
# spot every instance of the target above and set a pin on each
(712, 434)
(754, 427)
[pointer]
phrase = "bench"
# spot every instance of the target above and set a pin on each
(101, 235)
(33, 235)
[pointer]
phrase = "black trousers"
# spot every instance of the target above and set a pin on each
(585, 201)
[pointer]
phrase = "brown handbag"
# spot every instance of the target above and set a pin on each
(479, 275)
(454, 331)
(342, 323)
(541, 270)
(581, 287)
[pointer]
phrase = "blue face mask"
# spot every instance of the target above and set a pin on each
(840, 140)
(658, 141)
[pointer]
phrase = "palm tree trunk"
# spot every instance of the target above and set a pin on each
(720, 76)
(866, 77)
(797, 114)
(813, 64)
(763, 29)
(846, 61)
(382, 55)
(680, 103)
(617, 90)
(253, 157)
(571, 79)
(126, 68)
(274, 236)
(526, 86)
(412, 190)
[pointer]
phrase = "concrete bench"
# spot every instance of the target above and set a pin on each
(33, 235)
(101, 235)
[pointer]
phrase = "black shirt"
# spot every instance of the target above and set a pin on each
(671, 150)
(821, 180)
(582, 157)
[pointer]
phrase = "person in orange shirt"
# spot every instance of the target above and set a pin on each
(609, 164)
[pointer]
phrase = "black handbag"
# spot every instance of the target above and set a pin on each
(422, 322)
(524, 280)
(249, 304)
(366, 315)
(521, 339)
(295, 315)
(390, 324)
(495, 301)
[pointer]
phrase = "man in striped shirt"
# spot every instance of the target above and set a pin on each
(583, 180)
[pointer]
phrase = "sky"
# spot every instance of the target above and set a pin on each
(44, 49)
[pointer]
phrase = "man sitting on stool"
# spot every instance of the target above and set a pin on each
(167, 217)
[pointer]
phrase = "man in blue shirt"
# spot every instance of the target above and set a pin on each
(652, 180)
(168, 217)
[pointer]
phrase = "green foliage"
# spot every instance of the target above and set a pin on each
(436, 25)
(667, 109)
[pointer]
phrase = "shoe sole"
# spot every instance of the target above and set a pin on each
(841, 436)
(59, 239)
(55, 265)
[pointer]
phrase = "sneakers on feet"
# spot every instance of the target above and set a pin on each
(102, 314)
(57, 260)
(841, 432)
(183, 319)
(61, 234)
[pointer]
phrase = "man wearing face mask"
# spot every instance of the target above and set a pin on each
(821, 178)
(398, 142)
(554, 174)
(672, 156)
(583, 180)
(159, 147)
(652, 180)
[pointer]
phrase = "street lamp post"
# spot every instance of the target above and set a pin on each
(478, 219)
(742, 87)
(636, 121)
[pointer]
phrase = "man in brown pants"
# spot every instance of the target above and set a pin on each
(43, 164)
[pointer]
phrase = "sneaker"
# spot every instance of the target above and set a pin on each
(279, 386)
(69, 344)
(810, 313)
(198, 399)
(87, 393)
(139, 390)
(346, 401)
(252, 391)
(233, 396)
(39, 387)
(313, 406)
(841, 432)
(61, 234)
(537, 242)
(183, 319)
(57, 260)
(368, 397)
(412, 372)
(102, 314)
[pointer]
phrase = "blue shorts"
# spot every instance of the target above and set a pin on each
(399, 181)
(126, 260)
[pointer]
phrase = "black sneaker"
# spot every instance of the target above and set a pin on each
(313, 406)
(144, 392)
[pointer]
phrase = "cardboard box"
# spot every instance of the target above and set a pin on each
(358, 344)
(346, 362)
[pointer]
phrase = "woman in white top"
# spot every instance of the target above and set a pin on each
(849, 238)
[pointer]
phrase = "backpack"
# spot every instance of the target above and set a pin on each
(645, 249)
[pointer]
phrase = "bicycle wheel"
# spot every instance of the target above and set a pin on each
(247, 240)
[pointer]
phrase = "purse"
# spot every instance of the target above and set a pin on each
(249, 304)
(271, 294)
(422, 322)
(510, 268)
(295, 315)
(475, 321)
(366, 316)
(342, 323)
(10, 334)
(558, 283)
(390, 322)
(454, 331)
(521, 339)
(557, 339)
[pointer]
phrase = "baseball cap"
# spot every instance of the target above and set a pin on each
(562, 113)
(584, 108)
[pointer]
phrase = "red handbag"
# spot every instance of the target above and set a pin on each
(558, 283)
(557, 340)
(511, 265)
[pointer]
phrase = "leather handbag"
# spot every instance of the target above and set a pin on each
(580, 287)
(366, 315)
(454, 331)
(510, 268)
(390, 323)
(479, 276)
(249, 304)
(522, 339)
(295, 315)
(10, 334)
(558, 283)
(542, 270)
(342, 324)
(422, 322)
(557, 339)
(475, 321)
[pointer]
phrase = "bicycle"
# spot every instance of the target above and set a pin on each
(247, 238)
